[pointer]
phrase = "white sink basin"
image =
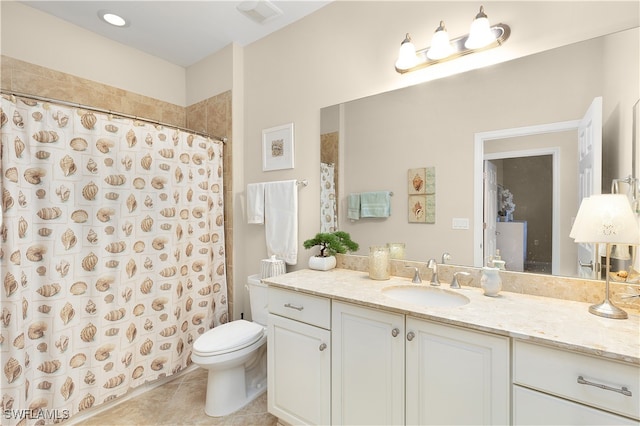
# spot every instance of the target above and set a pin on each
(425, 295)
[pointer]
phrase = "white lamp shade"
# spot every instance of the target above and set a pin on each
(606, 218)
(440, 44)
(480, 34)
(407, 57)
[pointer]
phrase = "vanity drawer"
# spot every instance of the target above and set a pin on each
(302, 307)
(559, 372)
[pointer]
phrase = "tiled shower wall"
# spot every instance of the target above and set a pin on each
(329, 154)
(211, 116)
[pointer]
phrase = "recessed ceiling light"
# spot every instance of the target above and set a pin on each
(113, 19)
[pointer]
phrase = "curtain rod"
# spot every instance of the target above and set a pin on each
(114, 113)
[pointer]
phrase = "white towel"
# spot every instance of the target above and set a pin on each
(255, 203)
(281, 220)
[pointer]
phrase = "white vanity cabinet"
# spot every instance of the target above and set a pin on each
(452, 375)
(367, 366)
(299, 357)
(456, 376)
(553, 386)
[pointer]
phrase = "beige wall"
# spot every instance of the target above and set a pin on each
(621, 91)
(210, 76)
(344, 51)
(36, 37)
(349, 49)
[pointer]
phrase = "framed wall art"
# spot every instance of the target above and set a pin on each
(277, 148)
(421, 184)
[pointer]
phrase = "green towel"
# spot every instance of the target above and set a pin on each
(375, 204)
(353, 206)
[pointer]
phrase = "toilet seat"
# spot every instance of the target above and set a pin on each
(228, 337)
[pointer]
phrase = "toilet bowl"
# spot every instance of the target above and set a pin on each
(235, 354)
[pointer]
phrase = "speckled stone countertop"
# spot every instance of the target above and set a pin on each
(560, 323)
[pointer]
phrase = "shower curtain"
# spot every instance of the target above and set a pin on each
(112, 256)
(328, 215)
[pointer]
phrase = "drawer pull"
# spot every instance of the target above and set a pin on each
(625, 391)
(395, 332)
(411, 335)
(322, 347)
(296, 307)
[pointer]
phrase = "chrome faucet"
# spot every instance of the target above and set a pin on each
(446, 256)
(454, 282)
(431, 264)
(416, 275)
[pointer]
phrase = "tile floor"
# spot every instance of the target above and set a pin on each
(180, 402)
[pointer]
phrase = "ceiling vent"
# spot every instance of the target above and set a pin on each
(259, 11)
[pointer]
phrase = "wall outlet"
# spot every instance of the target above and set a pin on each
(460, 223)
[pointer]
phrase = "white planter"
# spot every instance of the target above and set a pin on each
(322, 263)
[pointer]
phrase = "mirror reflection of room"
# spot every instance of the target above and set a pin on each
(435, 124)
(524, 201)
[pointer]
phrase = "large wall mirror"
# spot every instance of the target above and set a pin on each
(370, 144)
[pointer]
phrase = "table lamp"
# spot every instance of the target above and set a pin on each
(606, 219)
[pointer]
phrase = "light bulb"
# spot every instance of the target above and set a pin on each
(407, 57)
(440, 44)
(480, 34)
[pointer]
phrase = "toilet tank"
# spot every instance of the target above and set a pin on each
(258, 299)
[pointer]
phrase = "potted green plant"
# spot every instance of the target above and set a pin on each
(330, 243)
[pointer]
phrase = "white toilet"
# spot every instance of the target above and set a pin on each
(235, 354)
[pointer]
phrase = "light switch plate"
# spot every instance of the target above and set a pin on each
(460, 223)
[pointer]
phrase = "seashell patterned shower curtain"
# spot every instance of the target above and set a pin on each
(328, 215)
(112, 257)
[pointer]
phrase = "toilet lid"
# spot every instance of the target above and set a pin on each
(228, 337)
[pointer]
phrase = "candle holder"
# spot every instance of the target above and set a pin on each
(379, 266)
(396, 250)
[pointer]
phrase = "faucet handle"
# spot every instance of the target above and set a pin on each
(433, 265)
(454, 282)
(416, 275)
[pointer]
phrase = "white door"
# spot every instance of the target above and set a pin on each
(367, 366)
(590, 178)
(490, 208)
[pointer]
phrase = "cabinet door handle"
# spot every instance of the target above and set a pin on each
(296, 307)
(411, 335)
(624, 390)
(395, 332)
(322, 347)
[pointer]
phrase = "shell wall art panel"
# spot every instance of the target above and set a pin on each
(112, 256)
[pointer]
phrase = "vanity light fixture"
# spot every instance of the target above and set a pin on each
(606, 219)
(481, 37)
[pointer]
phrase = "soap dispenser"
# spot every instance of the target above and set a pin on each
(497, 261)
(490, 281)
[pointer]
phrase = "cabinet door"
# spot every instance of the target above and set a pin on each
(367, 366)
(456, 376)
(537, 408)
(298, 372)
